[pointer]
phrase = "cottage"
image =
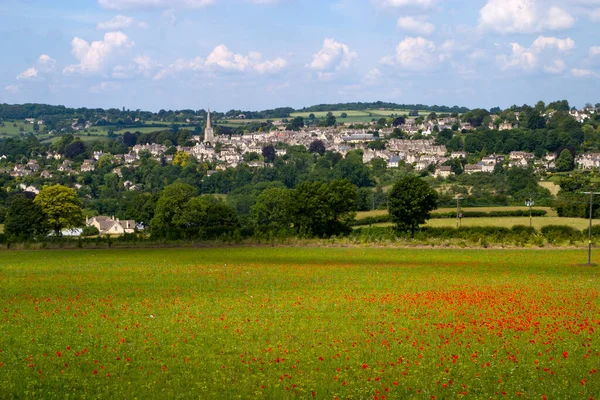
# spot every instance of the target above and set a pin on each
(472, 168)
(443, 171)
(111, 226)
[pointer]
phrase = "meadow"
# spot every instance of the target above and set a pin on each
(299, 323)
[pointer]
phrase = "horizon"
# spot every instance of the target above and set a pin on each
(255, 55)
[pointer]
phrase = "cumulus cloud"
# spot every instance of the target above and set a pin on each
(584, 73)
(405, 3)
(417, 53)
(556, 67)
(141, 66)
(28, 74)
(527, 59)
(121, 22)
(595, 51)
(94, 56)
(14, 89)
(523, 16)
(44, 65)
(417, 25)
(138, 4)
(105, 86)
(221, 58)
(333, 56)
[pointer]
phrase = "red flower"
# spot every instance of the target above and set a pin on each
(365, 366)
(95, 372)
(565, 354)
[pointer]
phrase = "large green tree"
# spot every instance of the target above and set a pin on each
(61, 208)
(564, 162)
(410, 202)
(169, 205)
(25, 220)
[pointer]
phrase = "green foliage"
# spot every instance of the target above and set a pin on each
(411, 201)
(169, 206)
(61, 207)
(90, 230)
(565, 162)
(25, 220)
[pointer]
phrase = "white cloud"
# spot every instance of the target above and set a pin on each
(373, 76)
(141, 65)
(221, 58)
(405, 3)
(523, 16)
(594, 51)
(417, 53)
(14, 89)
(595, 15)
(556, 67)
(105, 86)
(140, 4)
(416, 25)
(121, 22)
(45, 63)
(94, 56)
(27, 75)
(333, 56)
(543, 42)
(527, 58)
(583, 73)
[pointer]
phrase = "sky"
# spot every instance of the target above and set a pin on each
(259, 54)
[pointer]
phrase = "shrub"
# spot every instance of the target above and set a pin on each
(554, 233)
(90, 230)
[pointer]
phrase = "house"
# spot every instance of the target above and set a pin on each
(65, 166)
(111, 226)
(88, 166)
(33, 165)
(443, 172)
(394, 162)
(46, 174)
(521, 163)
(472, 168)
(458, 154)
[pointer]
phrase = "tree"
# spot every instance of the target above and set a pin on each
(181, 158)
(399, 121)
(317, 147)
(344, 115)
(271, 213)
(61, 208)
(25, 219)
(565, 161)
(410, 202)
(330, 120)
(268, 152)
(169, 206)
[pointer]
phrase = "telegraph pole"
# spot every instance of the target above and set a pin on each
(458, 212)
(590, 228)
(529, 203)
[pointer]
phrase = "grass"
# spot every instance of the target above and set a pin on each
(296, 323)
(1, 228)
(549, 210)
(509, 222)
(11, 130)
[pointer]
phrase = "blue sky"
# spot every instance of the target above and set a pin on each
(257, 54)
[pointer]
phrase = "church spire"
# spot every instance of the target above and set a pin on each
(209, 133)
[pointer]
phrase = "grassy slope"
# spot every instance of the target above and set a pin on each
(251, 322)
(550, 211)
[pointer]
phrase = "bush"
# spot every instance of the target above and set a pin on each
(554, 233)
(90, 230)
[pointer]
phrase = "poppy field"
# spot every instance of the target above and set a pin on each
(286, 323)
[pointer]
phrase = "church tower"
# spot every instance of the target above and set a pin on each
(209, 133)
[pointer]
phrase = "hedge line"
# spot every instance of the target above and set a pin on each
(382, 219)
(518, 234)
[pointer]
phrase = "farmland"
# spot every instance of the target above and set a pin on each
(298, 323)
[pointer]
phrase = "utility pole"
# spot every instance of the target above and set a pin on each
(590, 228)
(458, 212)
(529, 203)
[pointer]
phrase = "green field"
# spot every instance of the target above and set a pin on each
(550, 212)
(283, 323)
(508, 222)
(11, 130)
